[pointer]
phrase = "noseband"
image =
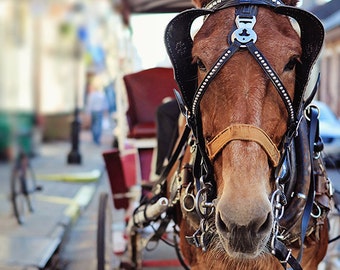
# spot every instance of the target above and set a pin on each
(245, 133)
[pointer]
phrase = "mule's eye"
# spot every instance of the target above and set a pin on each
(291, 64)
(200, 65)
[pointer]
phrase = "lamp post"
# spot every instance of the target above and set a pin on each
(74, 156)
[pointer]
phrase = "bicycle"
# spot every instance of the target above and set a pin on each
(23, 186)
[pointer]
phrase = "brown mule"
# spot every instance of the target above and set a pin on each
(242, 82)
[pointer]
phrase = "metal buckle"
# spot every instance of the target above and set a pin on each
(244, 32)
(287, 258)
(194, 239)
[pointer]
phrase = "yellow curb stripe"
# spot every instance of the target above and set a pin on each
(55, 199)
(73, 212)
(81, 199)
(84, 195)
(91, 176)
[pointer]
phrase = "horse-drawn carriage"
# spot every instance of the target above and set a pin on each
(246, 187)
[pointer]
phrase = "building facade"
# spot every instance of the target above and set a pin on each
(329, 13)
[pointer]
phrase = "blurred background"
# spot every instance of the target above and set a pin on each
(50, 48)
(49, 52)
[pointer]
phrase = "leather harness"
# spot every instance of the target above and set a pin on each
(300, 184)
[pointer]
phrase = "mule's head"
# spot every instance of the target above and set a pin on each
(242, 94)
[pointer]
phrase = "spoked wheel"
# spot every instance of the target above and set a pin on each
(18, 197)
(104, 234)
(23, 188)
(31, 187)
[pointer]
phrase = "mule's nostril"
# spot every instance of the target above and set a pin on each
(267, 224)
(220, 224)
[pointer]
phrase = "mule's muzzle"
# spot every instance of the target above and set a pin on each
(246, 241)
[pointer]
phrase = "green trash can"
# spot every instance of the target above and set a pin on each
(5, 136)
(23, 129)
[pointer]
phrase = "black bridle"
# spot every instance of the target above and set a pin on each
(179, 44)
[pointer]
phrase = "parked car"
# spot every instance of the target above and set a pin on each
(330, 134)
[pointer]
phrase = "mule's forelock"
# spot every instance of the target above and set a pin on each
(291, 2)
(201, 3)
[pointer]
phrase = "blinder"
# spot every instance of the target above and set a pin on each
(179, 44)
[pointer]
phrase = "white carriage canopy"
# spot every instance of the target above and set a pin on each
(156, 6)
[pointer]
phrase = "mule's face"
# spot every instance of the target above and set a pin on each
(241, 93)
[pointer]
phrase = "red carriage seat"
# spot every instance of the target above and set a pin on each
(146, 90)
(121, 171)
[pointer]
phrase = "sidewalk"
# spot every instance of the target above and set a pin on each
(67, 190)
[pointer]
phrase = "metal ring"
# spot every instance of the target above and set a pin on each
(189, 203)
(319, 211)
(307, 110)
(277, 215)
(199, 194)
(317, 155)
(188, 200)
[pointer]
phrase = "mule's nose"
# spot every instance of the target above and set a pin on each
(256, 226)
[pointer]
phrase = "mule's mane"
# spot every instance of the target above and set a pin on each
(201, 3)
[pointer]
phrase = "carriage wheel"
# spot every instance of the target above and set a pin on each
(135, 248)
(104, 234)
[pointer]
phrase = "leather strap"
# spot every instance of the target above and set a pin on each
(164, 174)
(285, 256)
(275, 79)
(313, 136)
(243, 132)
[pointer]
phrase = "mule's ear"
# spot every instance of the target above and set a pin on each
(291, 2)
(196, 3)
(200, 3)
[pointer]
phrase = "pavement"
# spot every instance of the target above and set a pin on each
(67, 189)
